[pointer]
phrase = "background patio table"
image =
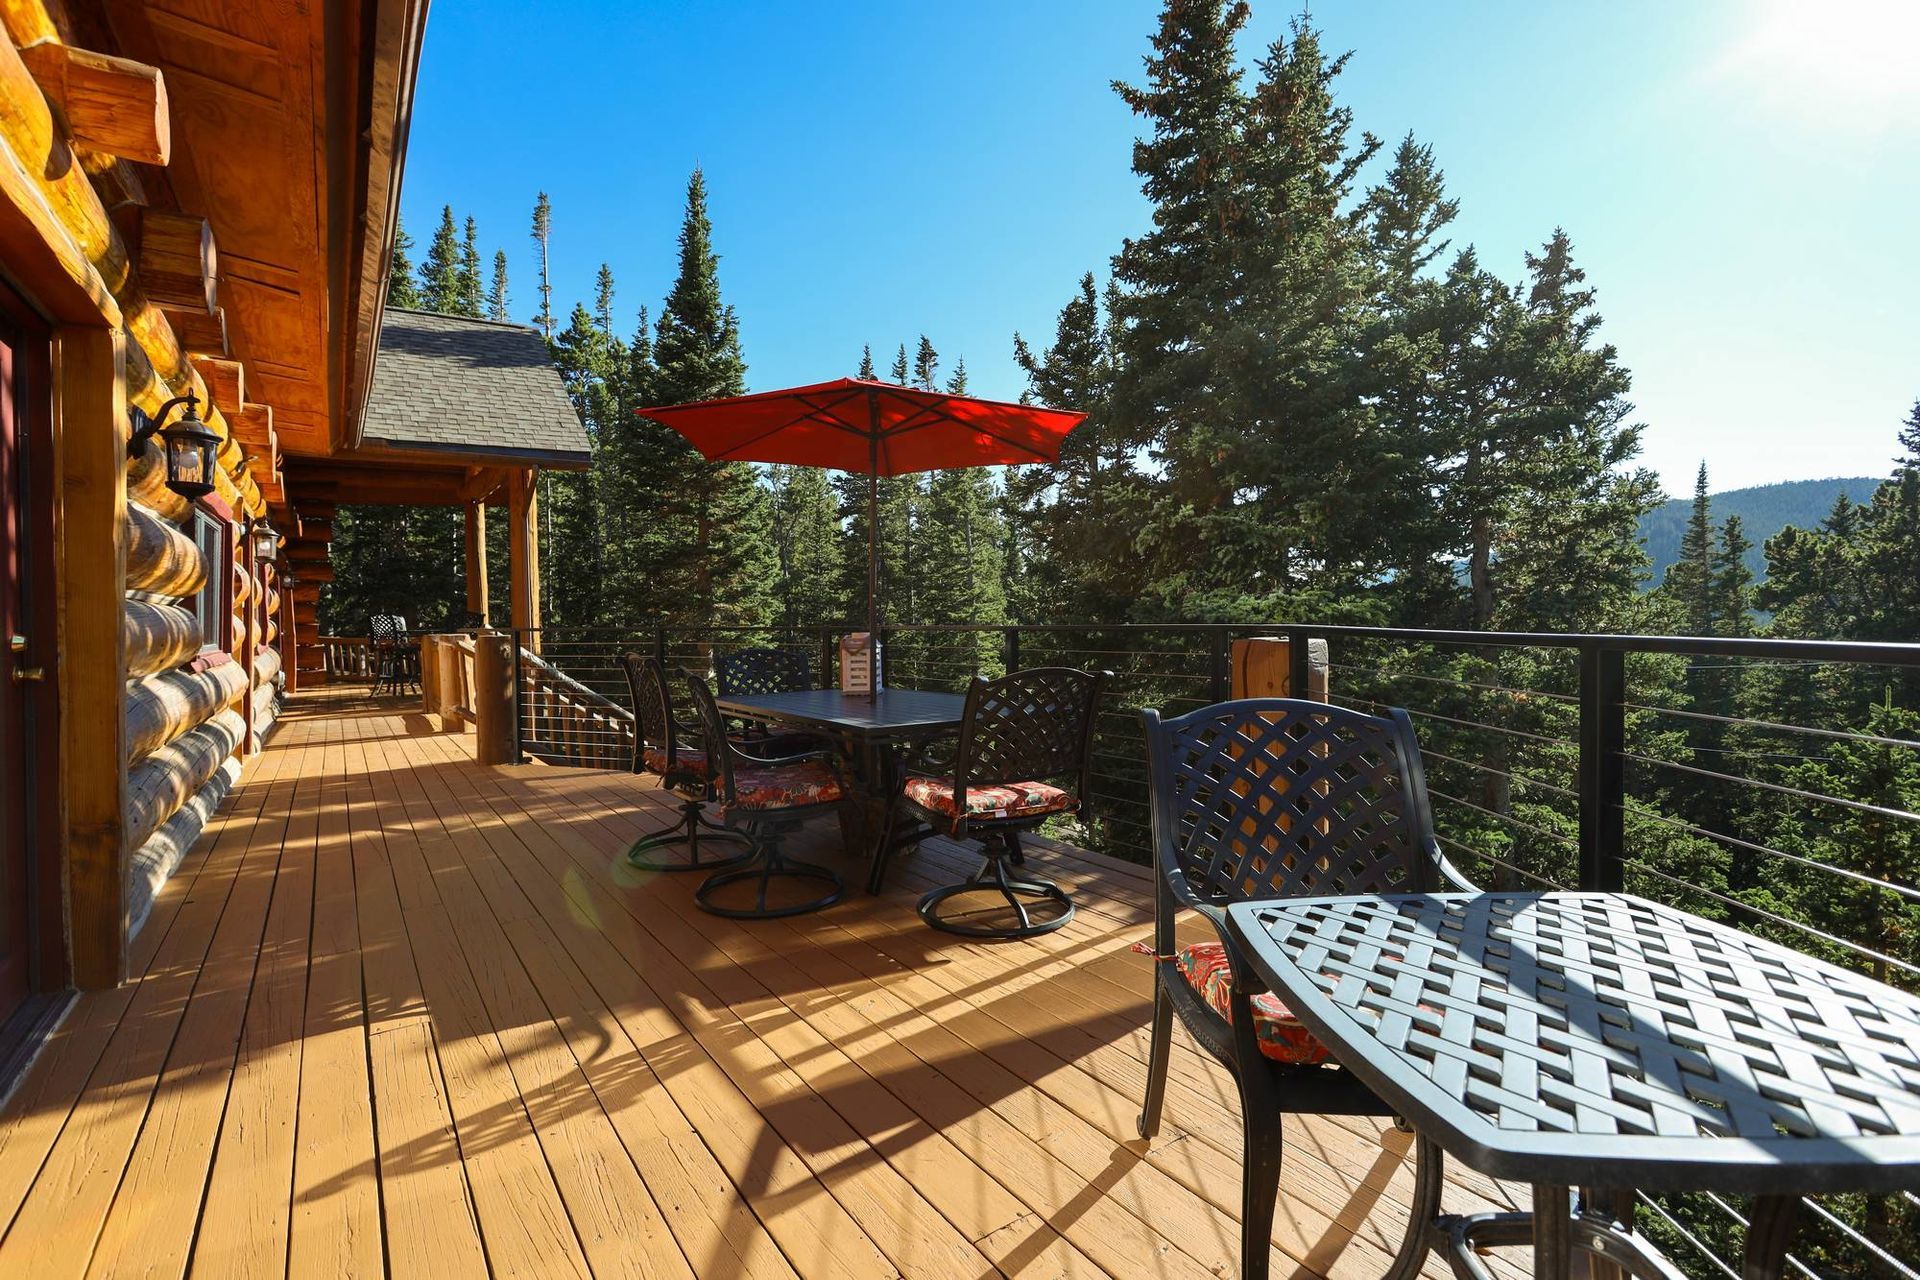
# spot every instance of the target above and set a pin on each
(1604, 1041)
(874, 732)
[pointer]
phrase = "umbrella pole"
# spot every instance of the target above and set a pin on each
(873, 567)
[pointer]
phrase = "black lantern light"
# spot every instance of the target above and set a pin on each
(266, 541)
(190, 445)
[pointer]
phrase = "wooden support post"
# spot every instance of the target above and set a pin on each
(1262, 668)
(495, 739)
(90, 417)
(523, 530)
(247, 643)
(477, 562)
(430, 674)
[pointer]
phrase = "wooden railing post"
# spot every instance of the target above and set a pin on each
(496, 741)
(447, 683)
(430, 674)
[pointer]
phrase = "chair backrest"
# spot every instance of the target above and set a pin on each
(751, 671)
(653, 726)
(385, 628)
(1027, 726)
(1283, 798)
(713, 734)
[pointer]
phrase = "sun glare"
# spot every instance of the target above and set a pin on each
(1829, 58)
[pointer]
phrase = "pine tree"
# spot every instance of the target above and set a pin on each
(402, 291)
(498, 304)
(440, 272)
(603, 300)
(957, 380)
(1405, 215)
(898, 375)
(542, 236)
(1732, 594)
(807, 538)
(866, 373)
(926, 366)
(472, 299)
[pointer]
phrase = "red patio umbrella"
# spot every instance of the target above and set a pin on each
(873, 429)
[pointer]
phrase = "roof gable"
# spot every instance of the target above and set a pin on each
(475, 387)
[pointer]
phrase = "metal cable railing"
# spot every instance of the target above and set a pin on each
(1611, 762)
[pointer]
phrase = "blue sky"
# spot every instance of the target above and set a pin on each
(1740, 178)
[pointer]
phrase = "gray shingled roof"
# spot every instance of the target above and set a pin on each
(470, 387)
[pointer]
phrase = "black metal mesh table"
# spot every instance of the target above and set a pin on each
(1604, 1041)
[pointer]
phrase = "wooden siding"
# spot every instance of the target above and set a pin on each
(402, 1012)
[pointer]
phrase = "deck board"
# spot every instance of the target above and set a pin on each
(399, 1013)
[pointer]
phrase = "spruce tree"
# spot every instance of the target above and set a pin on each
(402, 290)
(1405, 214)
(603, 300)
(716, 565)
(498, 304)
(898, 375)
(926, 366)
(542, 236)
(472, 298)
(866, 373)
(1732, 587)
(957, 380)
(1910, 439)
(807, 538)
(1689, 580)
(440, 272)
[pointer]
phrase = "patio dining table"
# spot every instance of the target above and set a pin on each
(1606, 1042)
(873, 733)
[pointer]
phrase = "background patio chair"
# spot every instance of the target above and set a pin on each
(657, 750)
(766, 799)
(1277, 798)
(1020, 735)
(745, 672)
(396, 655)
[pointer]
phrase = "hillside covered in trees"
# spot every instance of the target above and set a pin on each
(1764, 510)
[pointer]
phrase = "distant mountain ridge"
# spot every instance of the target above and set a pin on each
(1764, 510)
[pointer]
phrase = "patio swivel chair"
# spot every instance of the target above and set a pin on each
(766, 799)
(1019, 736)
(745, 672)
(657, 750)
(1278, 798)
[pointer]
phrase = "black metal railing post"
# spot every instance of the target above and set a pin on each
(1013, 648)
(660, 642)
(1220, 664)
(519, 711)
(1603, 767)
(1299, 663)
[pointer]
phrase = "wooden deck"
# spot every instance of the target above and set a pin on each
(403, 1013)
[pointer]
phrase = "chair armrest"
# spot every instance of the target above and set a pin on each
(923, 759)
(829, 758)
(1452, 880)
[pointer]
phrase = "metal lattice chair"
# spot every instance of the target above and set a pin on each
(1016, 734)
(765, 799)
(746, 672)
(396, 655)
(657, 750)
(1278, 798)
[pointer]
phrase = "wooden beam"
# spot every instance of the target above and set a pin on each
(482, 483)
(200, 330)
(91, 544)
(477, 562)
(174, 254)
(113, 106)
(523, 538)
(251, 423)
(226, 382)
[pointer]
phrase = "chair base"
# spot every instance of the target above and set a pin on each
(992, 878)
(772, 866)
(686, 836)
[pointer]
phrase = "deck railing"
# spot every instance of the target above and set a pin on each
(1598, 762)
(346, 657)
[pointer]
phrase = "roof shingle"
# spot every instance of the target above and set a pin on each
(470, 386)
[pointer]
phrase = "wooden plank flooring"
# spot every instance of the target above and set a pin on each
(402, 1014)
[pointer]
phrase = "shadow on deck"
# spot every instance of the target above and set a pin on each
(401, 1013)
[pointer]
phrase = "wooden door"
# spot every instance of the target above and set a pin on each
(20, 669)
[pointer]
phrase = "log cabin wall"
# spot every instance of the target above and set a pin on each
(93, 246)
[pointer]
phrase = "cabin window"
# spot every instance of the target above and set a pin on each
(210, 603)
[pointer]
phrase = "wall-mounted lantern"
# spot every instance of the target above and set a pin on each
(189, 445)
(266, 541)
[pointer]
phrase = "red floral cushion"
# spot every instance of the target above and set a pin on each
(1014, 800)
(785, 787)
(694, 762)
(1282, 1038)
